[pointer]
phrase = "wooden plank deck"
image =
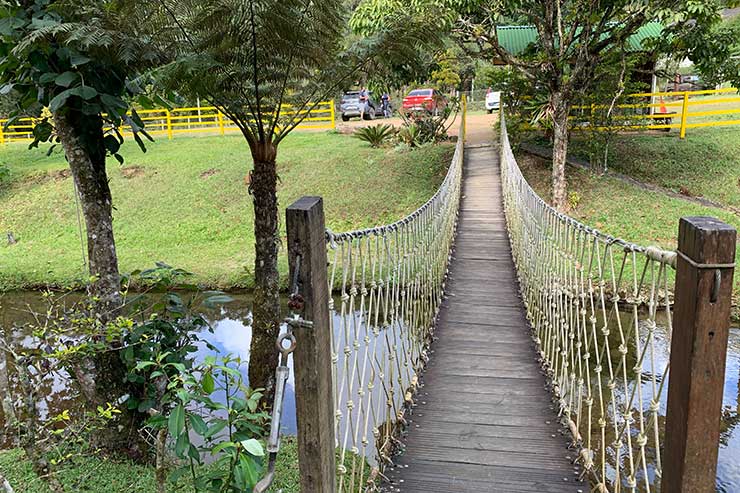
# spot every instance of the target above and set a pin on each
(485, 421)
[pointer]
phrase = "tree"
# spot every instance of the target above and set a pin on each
(78, 58)
(576, 37)
(265, 64)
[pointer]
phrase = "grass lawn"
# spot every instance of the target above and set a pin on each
(706, 163)
(93, 475)
(185, 202)
(621, 209)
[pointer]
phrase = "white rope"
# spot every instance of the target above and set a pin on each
(594, 302)
(389, 280)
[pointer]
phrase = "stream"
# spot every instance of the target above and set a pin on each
(231, 325)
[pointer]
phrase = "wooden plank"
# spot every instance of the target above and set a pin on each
(312, 356)
(704, 275)
(484, 420)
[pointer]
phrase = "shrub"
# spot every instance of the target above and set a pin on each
(376, 135)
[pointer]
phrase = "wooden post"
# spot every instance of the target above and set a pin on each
(312, 356)
(684, 114)
(701, 324)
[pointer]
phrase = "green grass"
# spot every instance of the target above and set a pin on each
(185, 202)
(95, 475)
(705, 164)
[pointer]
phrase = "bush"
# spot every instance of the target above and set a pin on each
(377, 135)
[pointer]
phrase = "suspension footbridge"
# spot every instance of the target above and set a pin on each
(490, 343)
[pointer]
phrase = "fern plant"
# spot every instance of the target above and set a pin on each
(376, 135)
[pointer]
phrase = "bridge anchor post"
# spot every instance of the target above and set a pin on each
(701, 321)
(312, 358)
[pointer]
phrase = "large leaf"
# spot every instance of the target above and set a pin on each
(85, 92)
(176, 422)
(199, 426)
(66, 79)
(208, 384)
(254, 447)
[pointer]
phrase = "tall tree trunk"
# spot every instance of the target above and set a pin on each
(83, 145)
(561, 108)
(263, 357)
(102, 378)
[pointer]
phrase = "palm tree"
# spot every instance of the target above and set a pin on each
(265, 64)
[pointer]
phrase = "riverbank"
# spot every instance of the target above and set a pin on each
(185, 202)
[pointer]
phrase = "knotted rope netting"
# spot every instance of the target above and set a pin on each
(388, 282)
(600, 311)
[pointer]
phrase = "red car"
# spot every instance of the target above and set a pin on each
(429, 100)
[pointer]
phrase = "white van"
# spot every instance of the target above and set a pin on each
(493, 100)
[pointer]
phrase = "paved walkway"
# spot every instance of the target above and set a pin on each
(485, 421)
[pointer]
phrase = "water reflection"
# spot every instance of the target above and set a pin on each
(232, 335)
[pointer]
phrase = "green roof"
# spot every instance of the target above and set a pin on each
(515, 39)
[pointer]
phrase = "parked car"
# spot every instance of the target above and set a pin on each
(683, 83)
(493, 100)
(429, 100)
(350, 106)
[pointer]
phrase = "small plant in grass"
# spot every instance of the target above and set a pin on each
(376, 135)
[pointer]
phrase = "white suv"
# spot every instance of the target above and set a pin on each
(493, 100)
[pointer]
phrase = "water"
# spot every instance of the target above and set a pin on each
(232, 335)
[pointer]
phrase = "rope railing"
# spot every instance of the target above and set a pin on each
(601, 314)
(389, 282)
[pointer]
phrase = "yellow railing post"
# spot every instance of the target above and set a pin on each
(220, 122)
(684, 114)
(169, 124)
(2, 136)
(333, 116)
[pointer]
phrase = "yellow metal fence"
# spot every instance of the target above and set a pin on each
(193, 120)
(670, 110)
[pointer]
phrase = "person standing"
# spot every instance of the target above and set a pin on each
(364, 97)
(386, 105)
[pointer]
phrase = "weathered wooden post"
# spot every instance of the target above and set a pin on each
(701, 321)
(312, 356)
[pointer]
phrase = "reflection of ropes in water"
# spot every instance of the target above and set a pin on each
(574, 280)
(390, 283)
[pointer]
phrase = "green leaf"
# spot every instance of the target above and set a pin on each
(182, 445)
(59, 100)
(111, 144)
(222, 446)
(48, 77)
(254, 447)
(199, 426)
(193, 453)
(85, 92)
(66, 79)
(217, 427)
(176, 422)
(251, 474)
(208, 384)
(143, 364)
(77, 60)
